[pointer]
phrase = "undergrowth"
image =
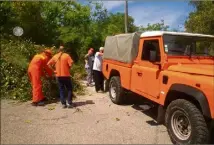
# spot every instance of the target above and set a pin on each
(14, 61)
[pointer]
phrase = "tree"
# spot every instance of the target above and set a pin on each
(202, 19)
(7, 15)
(28, 16)
(77, 26)
(104, 24)
(155, 27)
(116, 24)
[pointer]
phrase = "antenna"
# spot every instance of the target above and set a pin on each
(126, 16)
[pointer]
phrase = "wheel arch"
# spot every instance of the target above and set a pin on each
(114, 72)
(191, 94)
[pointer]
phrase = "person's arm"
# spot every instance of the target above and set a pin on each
(47, 69)
(86, 58)
(99, 53)
(50, 64)
(70, 61)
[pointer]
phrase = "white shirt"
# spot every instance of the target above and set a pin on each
(98, 62)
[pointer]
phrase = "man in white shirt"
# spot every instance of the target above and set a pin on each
(97, 69)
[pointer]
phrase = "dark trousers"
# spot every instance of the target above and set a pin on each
(65, 82)
(99, 80)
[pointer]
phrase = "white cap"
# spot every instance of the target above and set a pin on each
(101, 48)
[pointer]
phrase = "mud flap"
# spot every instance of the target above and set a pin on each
(161, 114)
(106, 85)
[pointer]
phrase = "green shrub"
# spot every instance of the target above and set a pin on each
(78, 71)
(15, 57)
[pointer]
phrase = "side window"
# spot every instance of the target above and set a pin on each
(151, 46)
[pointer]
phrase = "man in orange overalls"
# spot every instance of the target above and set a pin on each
(37, 69)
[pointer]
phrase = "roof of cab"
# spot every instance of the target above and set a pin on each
(160, 33)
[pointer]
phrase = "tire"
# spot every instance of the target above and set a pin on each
(115, 90)
(198, 134)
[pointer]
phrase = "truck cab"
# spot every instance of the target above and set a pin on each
(174, 70)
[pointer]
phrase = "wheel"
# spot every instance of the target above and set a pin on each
(185, 123)
(115, 90)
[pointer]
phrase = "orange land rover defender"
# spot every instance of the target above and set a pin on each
(173, 69)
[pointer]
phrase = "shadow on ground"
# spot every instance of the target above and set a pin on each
(143, 105)
(82, 103)
(55, 100)
(150, 109)
(76, 104)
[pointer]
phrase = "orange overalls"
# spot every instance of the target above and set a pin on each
(36, 70)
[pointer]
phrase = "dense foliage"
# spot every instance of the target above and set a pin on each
(50, 23)
(15, 57)
(202, 19)
(155, 27)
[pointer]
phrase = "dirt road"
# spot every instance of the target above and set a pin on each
(95, 120)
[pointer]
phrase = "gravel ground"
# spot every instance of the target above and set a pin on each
(95, 120)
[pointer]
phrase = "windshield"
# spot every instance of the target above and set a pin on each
(188, 45)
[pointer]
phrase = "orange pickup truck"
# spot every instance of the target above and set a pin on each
(173, 69)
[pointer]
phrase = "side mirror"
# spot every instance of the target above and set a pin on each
(153, 56)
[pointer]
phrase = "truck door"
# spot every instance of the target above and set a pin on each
(146, 73)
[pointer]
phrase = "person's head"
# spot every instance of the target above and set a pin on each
(61, 48)
(91, 51)
(102, 49)
(48, 53)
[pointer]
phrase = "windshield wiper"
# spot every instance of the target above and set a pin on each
(176, 51)
(203, 53)
(183, 53)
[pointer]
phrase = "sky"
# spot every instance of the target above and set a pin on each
(174, 12)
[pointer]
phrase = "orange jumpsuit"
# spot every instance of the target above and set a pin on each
(36, 70)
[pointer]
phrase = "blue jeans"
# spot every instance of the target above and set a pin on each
(65, 82)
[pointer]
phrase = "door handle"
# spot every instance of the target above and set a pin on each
(139, 73)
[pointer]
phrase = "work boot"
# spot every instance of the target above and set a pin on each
(70, 106)
(102, 90)
(41, 103)
(64, 106)
(34, 104)
(45, 100)
(97, 90)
